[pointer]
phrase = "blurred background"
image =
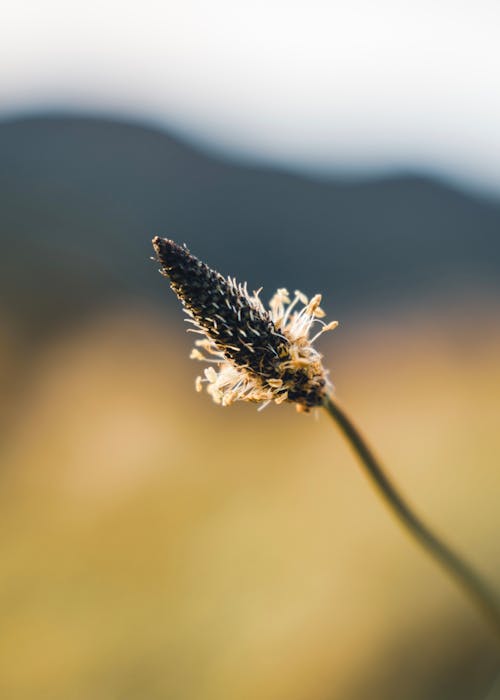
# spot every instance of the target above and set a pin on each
(152, 544)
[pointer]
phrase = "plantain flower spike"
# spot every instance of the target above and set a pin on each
(254, 354)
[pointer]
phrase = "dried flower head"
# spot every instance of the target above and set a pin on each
(256, 354)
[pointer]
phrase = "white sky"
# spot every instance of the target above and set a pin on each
(348, 85)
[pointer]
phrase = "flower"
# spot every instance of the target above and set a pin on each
(255, 354)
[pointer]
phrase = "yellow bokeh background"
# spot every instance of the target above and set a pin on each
(155, 545)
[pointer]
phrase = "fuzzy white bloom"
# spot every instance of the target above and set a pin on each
(226, 382)
(255, 354)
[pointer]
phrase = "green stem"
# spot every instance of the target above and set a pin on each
(451, 562)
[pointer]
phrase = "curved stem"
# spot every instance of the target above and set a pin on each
(451, 562)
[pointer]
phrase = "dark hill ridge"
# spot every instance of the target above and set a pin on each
(82, 197)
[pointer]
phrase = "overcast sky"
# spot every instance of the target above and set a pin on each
(340, 85)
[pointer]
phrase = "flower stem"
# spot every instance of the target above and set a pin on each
(486, 599)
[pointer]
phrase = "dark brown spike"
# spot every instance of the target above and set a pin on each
(246, 336)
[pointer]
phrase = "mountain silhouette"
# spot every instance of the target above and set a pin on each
(81, 198)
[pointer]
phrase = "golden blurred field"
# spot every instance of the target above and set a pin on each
(156, 546)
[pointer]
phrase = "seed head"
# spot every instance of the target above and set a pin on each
(256, 354)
